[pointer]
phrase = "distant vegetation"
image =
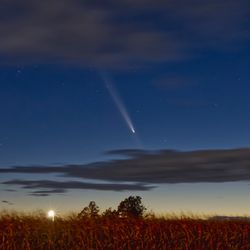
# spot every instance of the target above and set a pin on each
(131, 207)
(128, 227)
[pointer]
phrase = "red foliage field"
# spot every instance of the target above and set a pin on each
(37, 233)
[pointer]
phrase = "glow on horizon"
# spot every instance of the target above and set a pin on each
(51, 214)
(206, 198)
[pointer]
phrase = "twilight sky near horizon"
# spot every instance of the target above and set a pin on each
(100, 100)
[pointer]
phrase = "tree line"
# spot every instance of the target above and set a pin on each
(129, 207)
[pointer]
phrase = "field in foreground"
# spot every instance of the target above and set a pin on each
(37, 232)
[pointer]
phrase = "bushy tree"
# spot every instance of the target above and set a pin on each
(131, 207)
(109, 213)
(92, 211)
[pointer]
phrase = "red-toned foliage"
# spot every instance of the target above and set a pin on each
(37, 232)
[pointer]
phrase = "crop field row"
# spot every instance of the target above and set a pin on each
(39, 233)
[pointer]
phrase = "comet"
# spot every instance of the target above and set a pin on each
(118, 102)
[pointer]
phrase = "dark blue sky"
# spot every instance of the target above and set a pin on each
(181, 70)
(66, 114)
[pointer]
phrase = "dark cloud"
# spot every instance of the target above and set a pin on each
(43, 193)
(59, 187)
(170, 166)
(9, 190)
(7, 202)
(213, 22)
(146, 167)
(40, 194)
(118, 33)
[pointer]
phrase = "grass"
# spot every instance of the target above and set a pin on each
(20, 231)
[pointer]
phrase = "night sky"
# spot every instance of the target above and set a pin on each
(100, 100)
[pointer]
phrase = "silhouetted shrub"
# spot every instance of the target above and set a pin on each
(131, 207)
(92, 211)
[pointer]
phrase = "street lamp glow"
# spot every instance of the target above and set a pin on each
(51, 214)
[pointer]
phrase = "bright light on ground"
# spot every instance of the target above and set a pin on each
(51, 214)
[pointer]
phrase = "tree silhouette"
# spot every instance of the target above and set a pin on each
(131, 207)
(108, 213)
(92, 211)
